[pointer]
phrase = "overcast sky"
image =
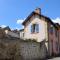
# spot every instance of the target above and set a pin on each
(13, 12)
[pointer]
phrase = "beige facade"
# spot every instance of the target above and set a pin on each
(22, 33)
(42, 34)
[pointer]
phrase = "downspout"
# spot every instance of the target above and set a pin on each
(58, 31)
(47, 37)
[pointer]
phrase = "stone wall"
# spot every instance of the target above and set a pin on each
(27, 50)
(32, 50)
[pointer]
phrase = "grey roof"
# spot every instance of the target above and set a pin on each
(7, 28)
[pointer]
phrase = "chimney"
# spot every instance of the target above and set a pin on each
(38, 11)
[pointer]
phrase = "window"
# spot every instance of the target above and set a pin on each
(51, 29)
(35, 28)
(56, 33)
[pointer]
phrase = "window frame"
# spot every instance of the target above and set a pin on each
(35, 28)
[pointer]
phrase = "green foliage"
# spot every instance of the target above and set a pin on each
(29, 40)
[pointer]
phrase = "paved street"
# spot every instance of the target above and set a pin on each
(57, 58)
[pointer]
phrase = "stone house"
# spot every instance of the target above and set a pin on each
(41, 28)
(11, 33)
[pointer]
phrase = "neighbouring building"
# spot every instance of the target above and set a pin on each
(58, 31)
(11, 33)
(22, 33)
(53, 39)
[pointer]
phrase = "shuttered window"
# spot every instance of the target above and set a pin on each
(51, 29)
(35, 28)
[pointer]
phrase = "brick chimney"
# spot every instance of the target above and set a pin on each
(38, 11)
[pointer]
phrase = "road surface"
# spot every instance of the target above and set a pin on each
(57, 58)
